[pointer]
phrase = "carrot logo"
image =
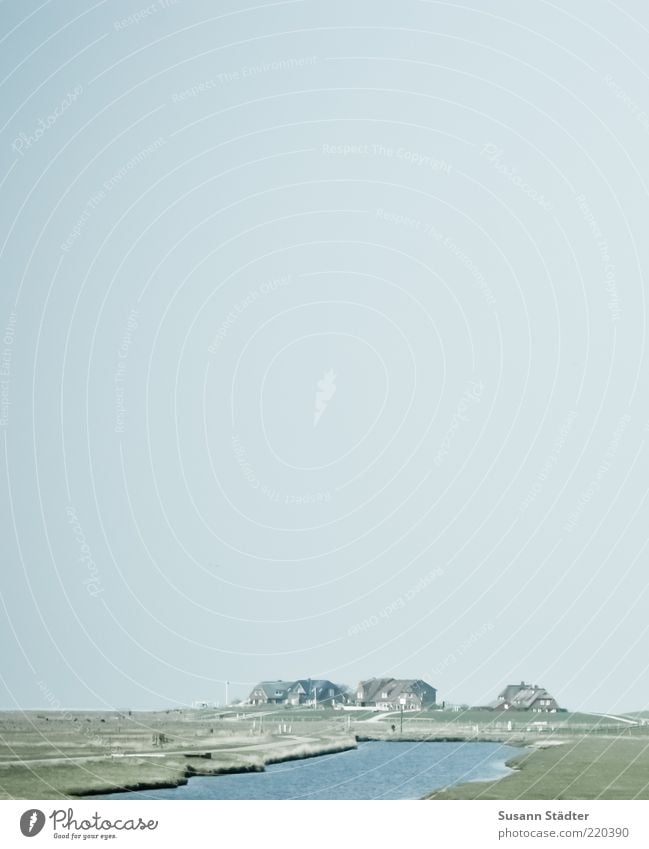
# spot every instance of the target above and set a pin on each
(326, 391)
(31, 822)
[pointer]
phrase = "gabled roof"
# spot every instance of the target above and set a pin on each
(319, 686)
(520, 695)
(374, 688)
(308, 686)
(511, 689)
(527, 697)
(271, 688)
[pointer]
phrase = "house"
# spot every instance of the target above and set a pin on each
(304, 691)
(395, 693)
(276, 693)
(525, 697)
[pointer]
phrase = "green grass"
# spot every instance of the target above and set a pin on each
(60, 781)
(58, 754)
(586, 768)
(41, 753)
(287, 714)
(500, 720)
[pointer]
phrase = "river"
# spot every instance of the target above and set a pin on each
(375, 770)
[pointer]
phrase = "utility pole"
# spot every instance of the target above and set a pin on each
(227, 693)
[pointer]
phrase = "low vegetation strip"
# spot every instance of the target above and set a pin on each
(62, 755)
(590, 767)
(64, 779)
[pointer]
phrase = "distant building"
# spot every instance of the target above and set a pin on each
(304, 691)
(525, 697)
(394, 693)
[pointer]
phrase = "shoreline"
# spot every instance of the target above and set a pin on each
(301, 751)
(576, 769)
(550, 769)
(512, 764)
(326, 748)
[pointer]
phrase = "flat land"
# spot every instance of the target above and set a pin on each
(592, 767)
(67, 754)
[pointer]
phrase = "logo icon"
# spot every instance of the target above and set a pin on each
(31, 822)
(326, 390)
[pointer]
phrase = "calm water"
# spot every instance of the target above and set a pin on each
(373, 771)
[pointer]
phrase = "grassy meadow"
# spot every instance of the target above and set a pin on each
(589, 767)
(64, 754)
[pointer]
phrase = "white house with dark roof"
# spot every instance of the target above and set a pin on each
(395, 693)
(525, 697)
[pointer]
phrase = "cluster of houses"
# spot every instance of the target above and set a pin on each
(389, 694)
(304, 691)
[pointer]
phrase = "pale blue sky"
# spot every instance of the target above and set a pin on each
(205, 210)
